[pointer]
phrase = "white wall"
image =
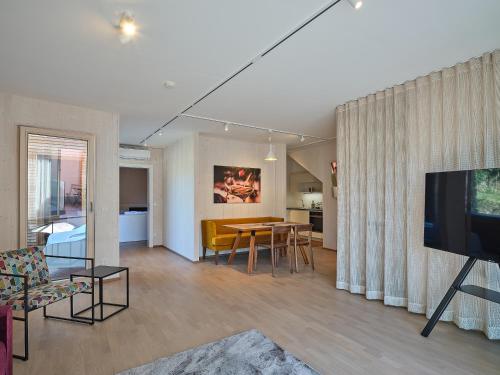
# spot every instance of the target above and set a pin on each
(316, 159)
(157, 163)
(179, 197)
(222, 151)
(18, 110)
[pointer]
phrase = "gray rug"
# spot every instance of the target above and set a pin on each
(249, 352)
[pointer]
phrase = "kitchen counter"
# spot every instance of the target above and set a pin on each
(305, 209)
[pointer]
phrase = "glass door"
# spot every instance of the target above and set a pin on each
(57, 205)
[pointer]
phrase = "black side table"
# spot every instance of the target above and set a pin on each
(101, 272)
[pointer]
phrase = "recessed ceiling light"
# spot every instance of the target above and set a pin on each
(160, 133)
(226, 127)
(127, 27)
(169, 84)
(302, 139)
(356, 4)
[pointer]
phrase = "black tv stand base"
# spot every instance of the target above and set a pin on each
(474, 290)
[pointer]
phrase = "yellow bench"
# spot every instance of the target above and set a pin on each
(216, 237)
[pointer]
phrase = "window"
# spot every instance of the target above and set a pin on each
(55, 196)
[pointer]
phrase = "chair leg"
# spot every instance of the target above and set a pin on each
(204, 253)
(290, 259)
(26, 338)
(255, 258)
(273, 262)
(312, 255)
(304, 255)
(216, 258)
(296, 260)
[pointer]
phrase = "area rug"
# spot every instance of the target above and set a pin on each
(249, 352)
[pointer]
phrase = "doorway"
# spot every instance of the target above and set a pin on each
(56, 196)
(136, 208)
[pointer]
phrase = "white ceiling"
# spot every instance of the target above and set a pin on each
(68, 51)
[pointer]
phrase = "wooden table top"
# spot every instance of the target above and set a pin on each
(248, 227)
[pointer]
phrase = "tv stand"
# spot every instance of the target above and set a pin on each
(474, 290)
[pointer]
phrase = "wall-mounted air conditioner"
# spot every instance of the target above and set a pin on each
(134, 153)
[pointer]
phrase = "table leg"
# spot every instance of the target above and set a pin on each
(101, 299)
(252, 252)
(127, 288)
(235, 247)
(70, 300)
(255, 253)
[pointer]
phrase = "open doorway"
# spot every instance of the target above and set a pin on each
(305, 198)
(136, 219)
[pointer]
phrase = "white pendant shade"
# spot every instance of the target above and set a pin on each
(270, 155)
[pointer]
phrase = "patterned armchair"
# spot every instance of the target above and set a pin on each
(25, 285)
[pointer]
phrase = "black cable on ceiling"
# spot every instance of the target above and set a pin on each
(253, 61)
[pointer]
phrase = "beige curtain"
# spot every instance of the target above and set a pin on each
(448, 120)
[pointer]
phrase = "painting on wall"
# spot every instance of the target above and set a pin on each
(333, 165)
(236, 184)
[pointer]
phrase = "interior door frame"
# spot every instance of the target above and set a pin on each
(150, 169)
(24, 131)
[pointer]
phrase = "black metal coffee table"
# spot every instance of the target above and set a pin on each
(100, 273)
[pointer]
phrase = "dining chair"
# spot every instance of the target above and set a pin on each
(280, 243)
(302, 238)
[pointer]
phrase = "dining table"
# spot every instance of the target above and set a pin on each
(252, 228)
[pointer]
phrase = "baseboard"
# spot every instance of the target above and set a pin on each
(178, 254)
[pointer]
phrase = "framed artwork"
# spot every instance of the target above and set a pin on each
(236, 184)
(333, 165)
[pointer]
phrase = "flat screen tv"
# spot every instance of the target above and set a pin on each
(462, 213)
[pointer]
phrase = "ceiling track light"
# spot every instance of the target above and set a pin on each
(302, 138)
(356, 4)
(257, 58)
(127, 27)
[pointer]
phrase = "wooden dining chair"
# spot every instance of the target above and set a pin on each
(302, 238)
(280, 243)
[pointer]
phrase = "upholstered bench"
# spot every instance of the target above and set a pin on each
(216, 237)
(25, 285)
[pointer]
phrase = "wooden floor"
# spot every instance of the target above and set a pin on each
(177, 305)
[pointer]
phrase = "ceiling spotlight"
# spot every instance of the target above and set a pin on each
(302, 138)
(169, 84)
(226, 127)
(356, 4)
(127, 27)
(160, 133)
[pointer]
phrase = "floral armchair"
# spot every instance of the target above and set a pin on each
(25, 285)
